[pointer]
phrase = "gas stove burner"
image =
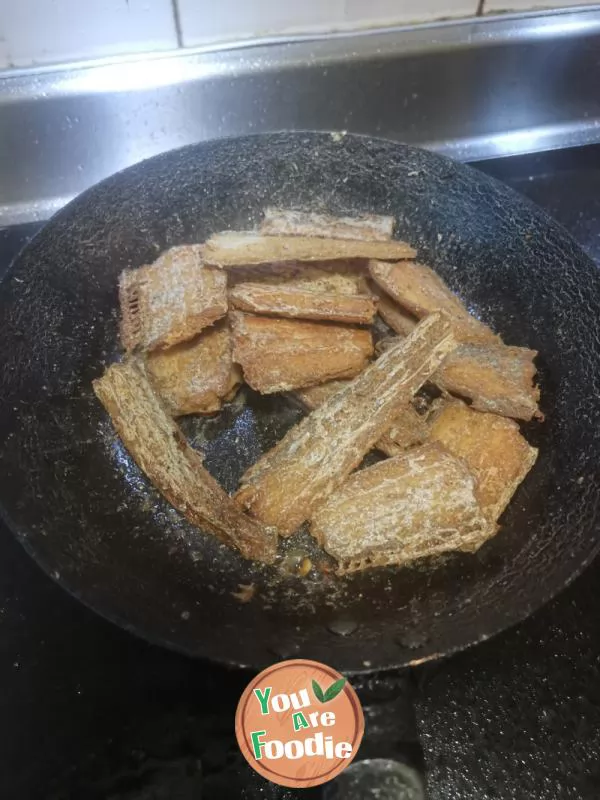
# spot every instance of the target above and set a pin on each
(377, 779)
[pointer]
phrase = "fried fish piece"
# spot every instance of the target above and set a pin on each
(243, 248)
(271, 274)
(408, 428)
(418, 504)
(288, 222)
(294, 303)
(493, 448)
(494, 378)
(314, 396)
(197, 376)
(175, 469)
(279, 355)
(383, 343)
(171, 300)
(394, 315)
(347, 277)
(317, 454)
(420, 290)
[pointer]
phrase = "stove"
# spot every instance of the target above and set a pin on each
(92, 713)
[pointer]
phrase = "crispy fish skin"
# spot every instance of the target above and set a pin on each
(317, 454)
(495, 378)
(420, 291)
(279, 355)
(196, 376)
(293, 303)
(289, 222)
(245, 248)
(171, 300)
(493, 448)
(174, 468)
(418, 504)
(408, 428)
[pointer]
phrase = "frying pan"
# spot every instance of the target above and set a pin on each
(80, 506)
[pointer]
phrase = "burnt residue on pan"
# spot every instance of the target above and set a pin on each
(82, 508)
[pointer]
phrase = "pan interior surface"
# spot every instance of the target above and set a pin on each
(81, 507)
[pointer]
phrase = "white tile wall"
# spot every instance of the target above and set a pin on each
(46, 31)
(401, 11)
(205, 21)
(42, 31)
(494, 6)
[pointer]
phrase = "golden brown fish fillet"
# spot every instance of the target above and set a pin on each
(243, 248)
(176, 470)
(408, 428)
(294, 303)
(320, 277)
(170, 301)
(197, 376)
(494, 378)
(493, 449)
(418, 504)
(420, 290)
(317, 454)
(366, 227)
(279, 355)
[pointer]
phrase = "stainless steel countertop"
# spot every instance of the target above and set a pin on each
(471, 89)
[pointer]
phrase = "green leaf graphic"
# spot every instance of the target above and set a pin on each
(331, 693)
(318, 692)
(334, 689)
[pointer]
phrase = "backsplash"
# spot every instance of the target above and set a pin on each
(49, 31)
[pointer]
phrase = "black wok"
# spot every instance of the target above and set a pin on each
(80, 506)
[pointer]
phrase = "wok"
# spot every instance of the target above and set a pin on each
(80, 506)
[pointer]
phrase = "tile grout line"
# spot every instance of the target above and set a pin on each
(177, 19)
